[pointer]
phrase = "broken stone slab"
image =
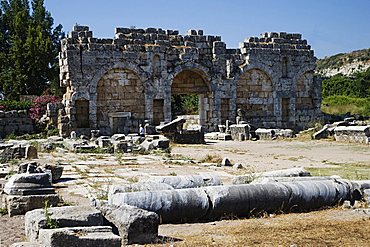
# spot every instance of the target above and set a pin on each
(171, 126)
(29, 184)
(69, 216)
(120, 147)
(56, 171)
(27, 244)
(17, 205)
(355, 134)
(323, 133)
(147, 145)
(29, 167)
(101, 236)
(118, 137)
(226, 162)
(187, 181)
(103, 141)
(140, 186)
(31, 152)
(173, 206)
(135, 225)
(239, 132)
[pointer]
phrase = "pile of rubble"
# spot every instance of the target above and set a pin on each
(345, 131)
(31, 188)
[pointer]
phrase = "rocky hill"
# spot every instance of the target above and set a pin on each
(344, 63)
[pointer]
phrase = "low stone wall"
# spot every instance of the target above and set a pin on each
(357, 134)
(17, 122)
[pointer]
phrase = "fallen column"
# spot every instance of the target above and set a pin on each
(187, 205)
(189, 181)
(173, 206)
(291, 172)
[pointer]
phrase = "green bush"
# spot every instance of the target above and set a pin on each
(10, 105)
(340, 104)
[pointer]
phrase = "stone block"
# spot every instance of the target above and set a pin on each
(101, 236)
(27, 244)
(236, 130)
(70, 216)
(120, 146)
(31, 152)
(135, 226)
(56, 171)
(29, 184)
(17, 205)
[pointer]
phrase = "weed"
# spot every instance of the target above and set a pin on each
(50, 222)
(212, 158)
(133, 179)
(173, 174)
(82, 173)
(3, 211)
(119, 157)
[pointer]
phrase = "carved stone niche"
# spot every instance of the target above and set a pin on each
(118, 121)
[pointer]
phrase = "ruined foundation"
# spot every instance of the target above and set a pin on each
(113, 85)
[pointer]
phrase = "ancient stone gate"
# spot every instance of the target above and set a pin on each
(115, 84)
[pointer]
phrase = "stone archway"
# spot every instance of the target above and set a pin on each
(193, 83)
(254, 95)
(120, 104)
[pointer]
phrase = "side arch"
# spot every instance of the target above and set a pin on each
(255, 96)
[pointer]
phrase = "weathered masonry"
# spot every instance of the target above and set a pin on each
(113, 85)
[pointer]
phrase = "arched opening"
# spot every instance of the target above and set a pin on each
(120, 102)
(254, 95)
(190, 96)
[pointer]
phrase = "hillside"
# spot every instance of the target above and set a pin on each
(344, 63)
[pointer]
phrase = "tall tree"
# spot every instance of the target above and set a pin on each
(31, 60)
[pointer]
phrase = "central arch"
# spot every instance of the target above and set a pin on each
(190, 87)
(120, 102)
(254, 95)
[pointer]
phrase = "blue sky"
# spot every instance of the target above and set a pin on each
(330, 26)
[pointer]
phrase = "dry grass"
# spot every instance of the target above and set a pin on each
(212, 158)
(321, 228)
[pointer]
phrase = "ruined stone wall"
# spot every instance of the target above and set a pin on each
(117, 83)
(17, 122)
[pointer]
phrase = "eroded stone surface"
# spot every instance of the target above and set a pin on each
(113, 85)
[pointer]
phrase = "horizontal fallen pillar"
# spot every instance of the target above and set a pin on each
(208, 203)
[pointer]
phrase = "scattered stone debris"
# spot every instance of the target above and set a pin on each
(18, 151)
(356, 134)
(175, 132)
(134, 225)
(28, 191)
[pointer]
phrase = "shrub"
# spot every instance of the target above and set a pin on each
(39, 106)
(10, 105)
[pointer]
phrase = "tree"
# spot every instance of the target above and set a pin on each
(31, 47)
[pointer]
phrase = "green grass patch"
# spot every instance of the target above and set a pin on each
(338, 105)
(356, 171)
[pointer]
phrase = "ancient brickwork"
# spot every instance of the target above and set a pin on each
(17, 122)
(115, 84)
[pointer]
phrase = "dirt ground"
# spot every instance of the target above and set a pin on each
(93, 174)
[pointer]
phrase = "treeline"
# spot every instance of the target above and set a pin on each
(347, 94)
(29, 46)
(357, 85)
